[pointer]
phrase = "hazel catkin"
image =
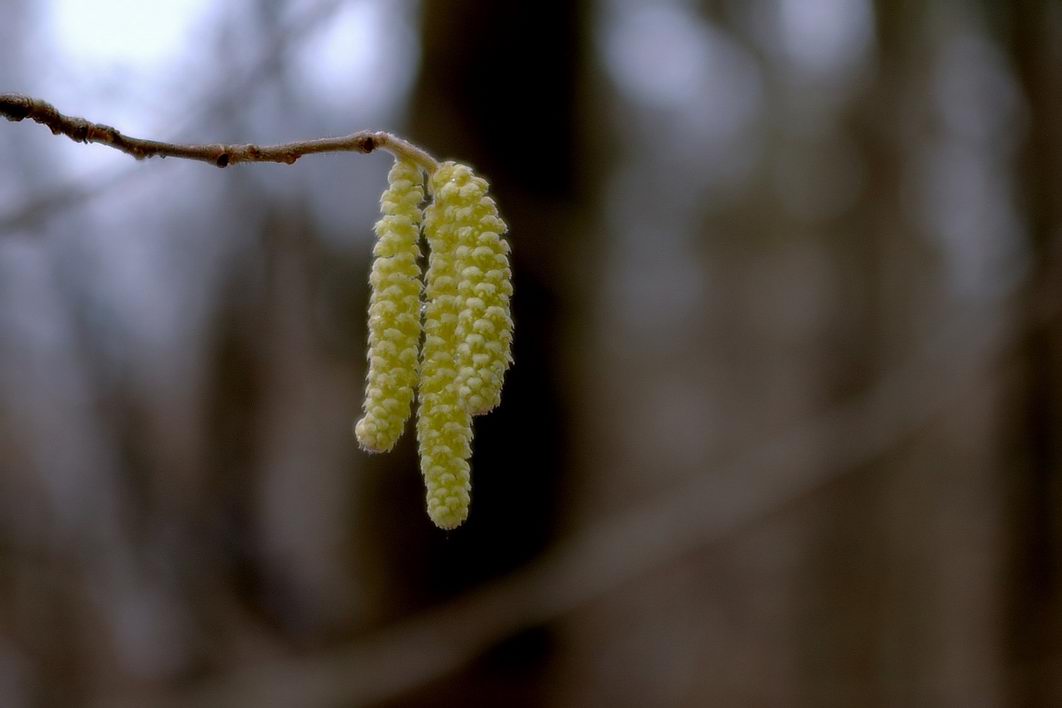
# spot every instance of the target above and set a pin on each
(394, 311)
(484, 329)
(444, 425)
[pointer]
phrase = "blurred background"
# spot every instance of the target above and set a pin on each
(785, 422)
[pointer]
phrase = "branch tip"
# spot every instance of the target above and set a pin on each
(13, 108)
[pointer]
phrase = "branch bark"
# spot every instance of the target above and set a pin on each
(16, 107)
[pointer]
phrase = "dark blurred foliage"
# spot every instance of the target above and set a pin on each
(785, 423)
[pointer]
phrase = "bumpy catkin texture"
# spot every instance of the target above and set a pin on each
(394, 311)
(484, 287)
(444, 425)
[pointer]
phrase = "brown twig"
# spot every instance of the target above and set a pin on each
(15, 107)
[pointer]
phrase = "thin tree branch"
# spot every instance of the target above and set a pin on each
(15, 107)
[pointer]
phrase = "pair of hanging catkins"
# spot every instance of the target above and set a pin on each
(462, 310)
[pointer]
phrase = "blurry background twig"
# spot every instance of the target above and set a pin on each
(215, 102)
(656, 532)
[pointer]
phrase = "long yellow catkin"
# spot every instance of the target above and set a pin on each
(394, 311)
(444, 425)
(484, 323)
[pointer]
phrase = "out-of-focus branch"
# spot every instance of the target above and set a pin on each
(615, 550)
(15, 107)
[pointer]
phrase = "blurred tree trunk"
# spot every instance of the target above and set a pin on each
(1035, 612)
(498, 89)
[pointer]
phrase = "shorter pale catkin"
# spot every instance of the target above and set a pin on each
(484, 329)
(394, 311)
